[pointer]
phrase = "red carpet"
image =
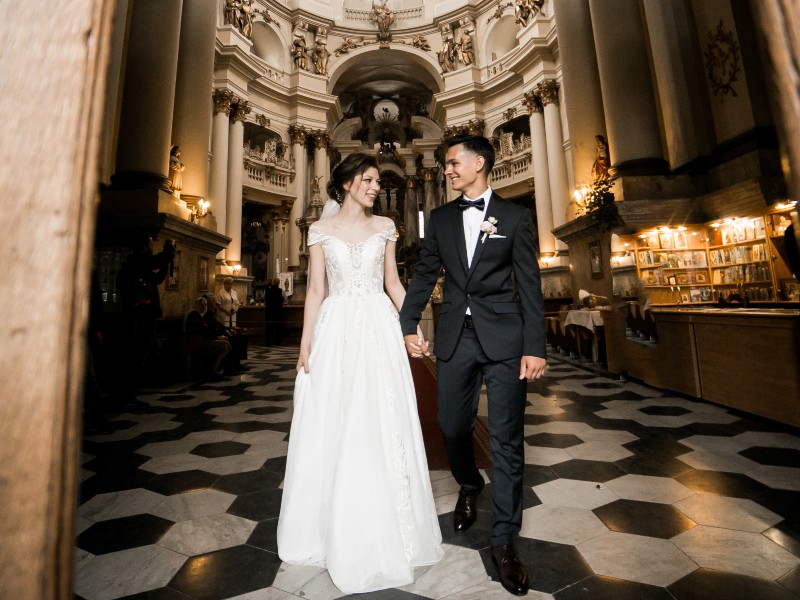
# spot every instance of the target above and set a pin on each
(424, 373)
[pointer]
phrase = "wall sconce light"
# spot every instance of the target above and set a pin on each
(235, 269)
(546, 258)
(202, 209)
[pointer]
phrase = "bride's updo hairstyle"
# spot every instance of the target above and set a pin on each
(347, 170)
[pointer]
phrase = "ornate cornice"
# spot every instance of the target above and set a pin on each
(548, 92)
(471, 127)
(222, 101)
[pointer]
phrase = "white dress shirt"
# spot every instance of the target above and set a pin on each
(473, 218)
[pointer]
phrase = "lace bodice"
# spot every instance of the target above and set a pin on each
(353, 269)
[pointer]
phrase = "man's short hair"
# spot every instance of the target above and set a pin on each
(477, 144)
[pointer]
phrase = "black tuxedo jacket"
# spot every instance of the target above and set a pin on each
(502, 288)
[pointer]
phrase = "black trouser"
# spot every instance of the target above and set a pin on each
(458, 388)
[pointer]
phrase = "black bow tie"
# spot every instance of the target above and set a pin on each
(463, 203)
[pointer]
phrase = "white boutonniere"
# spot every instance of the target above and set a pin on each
(488, 227)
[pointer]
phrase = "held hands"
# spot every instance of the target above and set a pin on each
(531, 367)
(416, 345)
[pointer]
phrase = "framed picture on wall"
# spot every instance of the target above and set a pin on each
(202, 274)
(287, 283)
(791, 289)
(595, 260)
(174, 274)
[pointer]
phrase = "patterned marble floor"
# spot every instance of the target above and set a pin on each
(631, 494)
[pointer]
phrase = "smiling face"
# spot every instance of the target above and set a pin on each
(465, 171)
(364, 188)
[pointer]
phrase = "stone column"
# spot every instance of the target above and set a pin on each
(430, 197)
(556, 161)
(686, 129)
(148, 95)
(634, 136)
(191, 126)
(322, 140)
(298, 135)
(541, 174)
(580, 80)
(411, 212)
(218, 184)
(233, 224)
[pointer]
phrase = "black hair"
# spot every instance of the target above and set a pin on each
(347, 170)
(477, 144)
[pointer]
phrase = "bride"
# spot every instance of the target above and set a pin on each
(357, 494)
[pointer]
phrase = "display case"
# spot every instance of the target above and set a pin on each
(673, 266)
(740, 260)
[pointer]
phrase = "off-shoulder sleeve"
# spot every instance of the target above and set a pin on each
(390, 233)
(314, 235)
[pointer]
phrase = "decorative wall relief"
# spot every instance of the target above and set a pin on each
(722, 61)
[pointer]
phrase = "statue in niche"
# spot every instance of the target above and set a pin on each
(600, 165)
(299, 52)
(464, 49)
(447, 55)
(239, 13)
(232, 12)
(176, 169)
(319, 57)
(246, 17)
(383, 17)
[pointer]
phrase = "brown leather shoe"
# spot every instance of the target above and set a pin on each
(513, 575)
(466, 510)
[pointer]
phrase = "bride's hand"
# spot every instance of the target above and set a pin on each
(302, 362)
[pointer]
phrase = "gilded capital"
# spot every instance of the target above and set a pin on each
(548, 92)
(222, 101)
(239, 110)
(428, 174)
(530, 100)
(298, 134)
(262, 120)
(411, 183)
(322, 139)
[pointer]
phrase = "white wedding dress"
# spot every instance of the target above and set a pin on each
(357, 495)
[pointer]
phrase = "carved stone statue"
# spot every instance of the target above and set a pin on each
(383, 17)
(299, 52)
(420, 42)
(239, 13)
(319, 57)
(176, 169)
(464, 48)
(523, 9)
(447, 55)
(600, 166)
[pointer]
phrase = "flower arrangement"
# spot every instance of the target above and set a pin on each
(488, 227)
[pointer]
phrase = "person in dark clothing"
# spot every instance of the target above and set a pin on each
(214, 344)
(273, 314)
(137, 284)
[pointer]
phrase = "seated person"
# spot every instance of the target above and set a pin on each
(234, 335)
(214, 344)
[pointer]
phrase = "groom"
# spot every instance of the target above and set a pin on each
(491, 329)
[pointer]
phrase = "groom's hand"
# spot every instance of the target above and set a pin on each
(531, 367)
(416, 345)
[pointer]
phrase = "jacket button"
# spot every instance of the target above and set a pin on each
(469, 297)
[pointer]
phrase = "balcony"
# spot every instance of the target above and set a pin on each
(266, 171)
